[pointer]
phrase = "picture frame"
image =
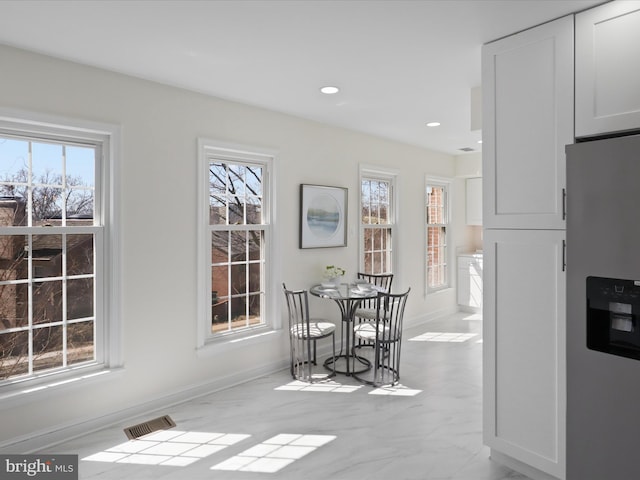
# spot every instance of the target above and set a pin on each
(323, 216)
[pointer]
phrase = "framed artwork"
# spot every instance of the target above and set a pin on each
(323, 216)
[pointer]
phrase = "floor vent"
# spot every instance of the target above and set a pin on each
(142, 429)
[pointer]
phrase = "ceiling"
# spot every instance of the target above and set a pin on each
(399, 63)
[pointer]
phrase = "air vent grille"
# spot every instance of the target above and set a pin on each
(142, 429)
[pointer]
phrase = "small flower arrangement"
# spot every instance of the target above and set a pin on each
(331, 271)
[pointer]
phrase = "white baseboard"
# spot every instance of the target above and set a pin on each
(428, 317)
(520, 467)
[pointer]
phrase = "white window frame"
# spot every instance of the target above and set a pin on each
(108, 326)
(213, 149)
(387, 175)
(446, 183)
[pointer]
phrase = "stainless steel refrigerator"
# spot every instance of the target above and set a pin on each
(603, 309)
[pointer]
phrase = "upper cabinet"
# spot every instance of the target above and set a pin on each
(527, 121)
(474, 201)
(608, 69)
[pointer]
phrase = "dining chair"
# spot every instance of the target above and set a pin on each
(366, 311)
(382, 282)
(384, 333)
(304, 332)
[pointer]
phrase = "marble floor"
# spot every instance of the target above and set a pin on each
(429, 428)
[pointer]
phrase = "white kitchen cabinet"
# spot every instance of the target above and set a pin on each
(473, 190)
(608, 68)
(524, 347)
(527, 121)
(469, 281)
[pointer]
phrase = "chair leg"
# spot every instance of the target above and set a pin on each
(314, 352)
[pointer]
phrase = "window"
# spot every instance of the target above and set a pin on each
(376, 221)
(437, 213)
(54, 193)
(235, 240)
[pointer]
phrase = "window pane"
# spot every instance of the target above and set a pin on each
(238, 246)
(377, 262)
(220, 281)
(377, 239)
(255, 245)
(254, 181)
(80, 207)
(218, 178)
(255, 274)
(13, 257)
(219, 247)
(79, 298)
(47, 348)
(80, 166)
(254, 211)
(217, 210)
(236, 175)
(220, 316)
(80, 342)
(47, 206)
(255, 312)
(15, 354)
(14, 159)
(80, 254)
(14, 306)
(12, 210)
(47, 256)
(236, 211)
(217, 194)
(368, 262)
(238, 279)
(47, 302)
(46, 163)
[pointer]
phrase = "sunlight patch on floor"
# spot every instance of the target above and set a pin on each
(449, 337)
(275, 453)
(397, 390)
(326, 386)
(168, 447)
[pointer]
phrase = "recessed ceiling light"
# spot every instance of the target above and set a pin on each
(433, 124)
(479, 141)
(329, 90)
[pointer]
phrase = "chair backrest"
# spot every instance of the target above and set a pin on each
(381, 280)
(389, 316)
(298, 306)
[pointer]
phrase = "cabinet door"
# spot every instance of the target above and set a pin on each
(524, 347)
(527, 83)
(608, 68)
(469, 281)
(474, 201)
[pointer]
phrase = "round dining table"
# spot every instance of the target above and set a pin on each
(348, 298)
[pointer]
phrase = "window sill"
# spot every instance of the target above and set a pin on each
(12, 395)
(439, 290)
(230, 342)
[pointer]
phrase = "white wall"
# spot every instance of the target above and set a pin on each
(160, 125)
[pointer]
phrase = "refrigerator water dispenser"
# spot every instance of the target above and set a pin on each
(613, 316)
